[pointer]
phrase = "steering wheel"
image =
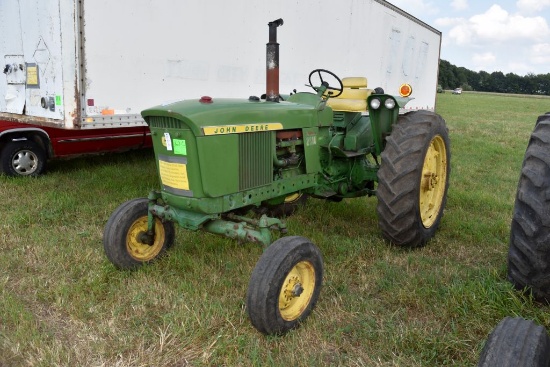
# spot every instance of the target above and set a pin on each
(320, 72)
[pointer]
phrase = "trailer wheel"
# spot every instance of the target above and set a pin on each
(125, 237)
(516, 342)
(529, 251)
(413, 178)
(285, 285)
(23, 158)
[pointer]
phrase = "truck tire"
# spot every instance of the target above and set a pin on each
(413, 178)
(123, 236)
(516, 342)
(23, 158)
(285, 285)
(529, 251)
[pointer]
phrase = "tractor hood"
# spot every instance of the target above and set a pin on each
(209, 116)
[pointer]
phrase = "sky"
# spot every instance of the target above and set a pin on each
(511, 36)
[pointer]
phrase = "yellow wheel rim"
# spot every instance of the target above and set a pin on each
(297, 291)
(142, 251)
(433, 181)
(293, 197)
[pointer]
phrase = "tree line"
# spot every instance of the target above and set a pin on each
(451, 77)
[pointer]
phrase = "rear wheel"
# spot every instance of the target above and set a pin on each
(288, 207)
(529, 252)
(516, 342)
(125, 238)
(285, 285)
(23, 158)
(413, 178)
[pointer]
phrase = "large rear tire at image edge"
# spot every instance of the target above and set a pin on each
(516, 342)
(285, 285)
(529, 251)
(413, 178)
(124, 235)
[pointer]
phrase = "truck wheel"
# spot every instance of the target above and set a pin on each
(529, 251)
(124, 238)
(413, 178)
(23, 158)
(516, 342)
(285, 285)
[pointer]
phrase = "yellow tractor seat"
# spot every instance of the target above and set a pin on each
(353, 97)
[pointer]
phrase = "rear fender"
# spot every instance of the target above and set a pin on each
(39, 136)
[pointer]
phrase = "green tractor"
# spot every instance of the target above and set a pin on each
(237, 167)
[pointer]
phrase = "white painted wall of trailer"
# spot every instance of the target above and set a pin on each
(142, 53)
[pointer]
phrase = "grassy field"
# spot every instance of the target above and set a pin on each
(63, 304)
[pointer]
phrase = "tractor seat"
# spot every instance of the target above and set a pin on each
(353, 97)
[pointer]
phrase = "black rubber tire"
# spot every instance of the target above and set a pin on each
(269, 277)
(516, 342)
(400, 178)
(529, 251)
(23, 158)
(120, 236)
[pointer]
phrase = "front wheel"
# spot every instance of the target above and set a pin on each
(125, 239)
(23, 158)
(516, 342)
(285, 285)
(413, 178)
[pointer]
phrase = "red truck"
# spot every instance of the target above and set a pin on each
(26, 148)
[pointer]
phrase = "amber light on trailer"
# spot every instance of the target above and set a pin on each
(405, 90)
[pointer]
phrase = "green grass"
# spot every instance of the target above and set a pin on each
(62, 303)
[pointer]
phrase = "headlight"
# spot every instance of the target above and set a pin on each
(375, 103)
(389, 103)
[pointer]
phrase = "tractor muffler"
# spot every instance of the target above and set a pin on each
(272, 62)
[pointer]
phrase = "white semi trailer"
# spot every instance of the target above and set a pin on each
(76, 74)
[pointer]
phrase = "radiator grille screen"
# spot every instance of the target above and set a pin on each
(255, 159)
(164, 122)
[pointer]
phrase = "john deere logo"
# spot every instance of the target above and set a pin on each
(163, 141)
(238, 129)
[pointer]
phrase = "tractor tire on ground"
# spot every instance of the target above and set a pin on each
(413, 178)
(285, 285)
(123, 238)
(529, 252)
(516, 342)
(23, 158)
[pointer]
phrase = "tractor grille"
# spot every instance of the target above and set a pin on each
(255, 159)
(164, 122)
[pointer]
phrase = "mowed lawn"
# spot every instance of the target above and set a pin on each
(63, 304)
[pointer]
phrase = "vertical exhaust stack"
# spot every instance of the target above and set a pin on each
(272, 63)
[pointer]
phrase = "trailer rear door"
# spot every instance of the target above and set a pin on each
(31, 48)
